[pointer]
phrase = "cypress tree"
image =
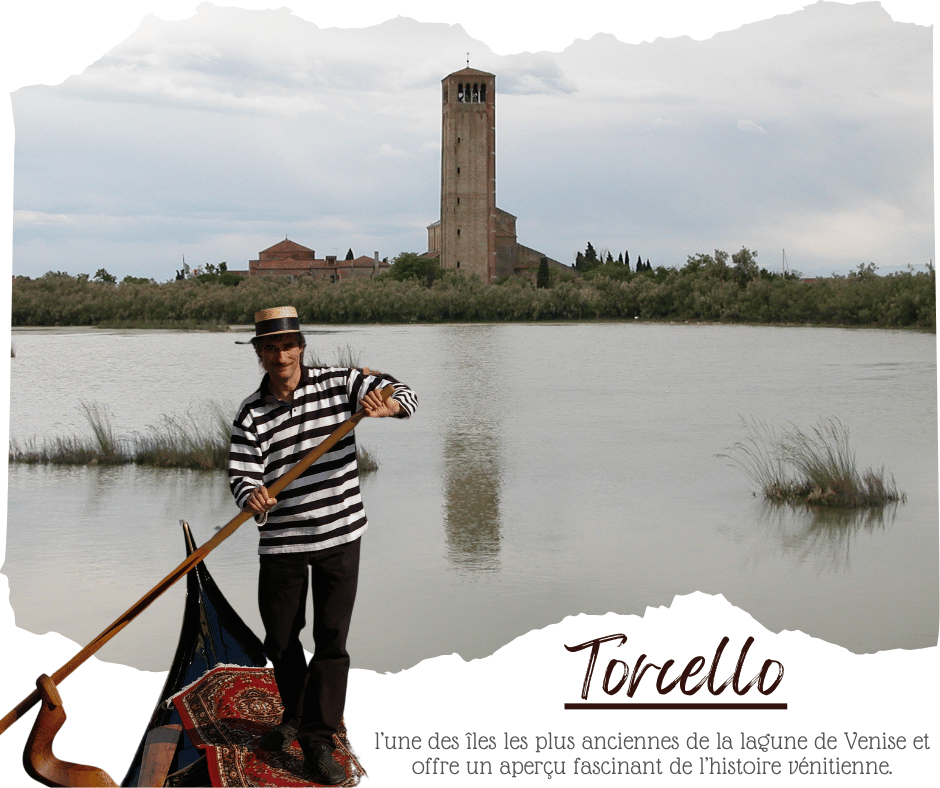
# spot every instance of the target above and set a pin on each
(542, 278)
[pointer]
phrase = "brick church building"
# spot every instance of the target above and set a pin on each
(472, 234)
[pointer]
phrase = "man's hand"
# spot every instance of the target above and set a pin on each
(259, 501)
(375, 407)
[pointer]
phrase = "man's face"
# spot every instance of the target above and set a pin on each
(281, 357)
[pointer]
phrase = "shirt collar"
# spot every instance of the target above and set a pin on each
(265, 390)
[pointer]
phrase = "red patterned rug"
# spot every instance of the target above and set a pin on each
(227, 710)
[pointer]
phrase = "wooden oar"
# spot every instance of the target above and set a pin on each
(191, 560)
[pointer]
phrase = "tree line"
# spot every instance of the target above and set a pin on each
(591, 260)
(717, 287)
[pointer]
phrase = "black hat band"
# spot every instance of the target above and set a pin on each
(277, 324)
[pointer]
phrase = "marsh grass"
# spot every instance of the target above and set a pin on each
(178, 442)
(186, 442)
(815, 467)
(198, 441)
(344, 357)
(108, 448)
(366, 460)
(69, 450)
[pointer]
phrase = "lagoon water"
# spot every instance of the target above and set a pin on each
(551, 470)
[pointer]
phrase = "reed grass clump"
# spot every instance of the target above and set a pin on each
(62, 450)
(177, 442)
(345, 356)
(197, 441)
(366, 460)
(186, 442)
(106, 443)
(813, 467)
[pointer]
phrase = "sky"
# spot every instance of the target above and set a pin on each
(811, 141)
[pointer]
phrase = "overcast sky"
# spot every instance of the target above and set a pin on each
(215, 137)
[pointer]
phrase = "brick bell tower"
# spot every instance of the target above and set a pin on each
(468, 173)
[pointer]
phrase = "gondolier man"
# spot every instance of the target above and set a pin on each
(310, 535)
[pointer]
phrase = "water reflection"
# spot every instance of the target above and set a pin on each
(472, 459)
(471, 501)
(823, 535)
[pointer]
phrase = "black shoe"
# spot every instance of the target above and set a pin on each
(278, 738)
(319, 759)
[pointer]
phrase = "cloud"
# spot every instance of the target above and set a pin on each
(39, 219)
(529, 73)
(751, 127)
(855, 230)
(243, 122)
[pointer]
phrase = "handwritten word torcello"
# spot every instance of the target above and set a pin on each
(619, 674)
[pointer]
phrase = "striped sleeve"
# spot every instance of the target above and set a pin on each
(245, 461)
(361, 384)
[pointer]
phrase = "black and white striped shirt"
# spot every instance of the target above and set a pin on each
(323, 507)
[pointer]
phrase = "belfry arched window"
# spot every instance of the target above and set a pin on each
(474, 93)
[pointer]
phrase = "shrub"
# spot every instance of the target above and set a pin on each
(815, 467)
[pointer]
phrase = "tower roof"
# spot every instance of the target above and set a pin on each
(469, 72)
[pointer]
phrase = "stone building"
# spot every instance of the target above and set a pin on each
(290, 259)
(472, 234)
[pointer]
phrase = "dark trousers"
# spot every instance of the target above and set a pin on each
(313, 695)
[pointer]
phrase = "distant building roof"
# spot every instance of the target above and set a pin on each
(286, 248)
(287, 258)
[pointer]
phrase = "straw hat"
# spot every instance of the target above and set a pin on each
(279, 320)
